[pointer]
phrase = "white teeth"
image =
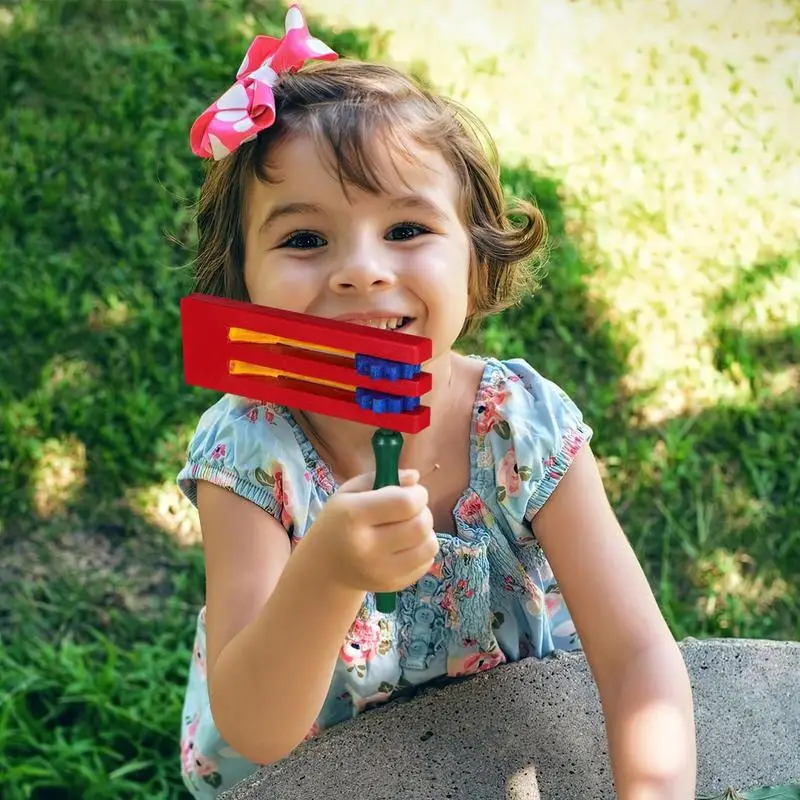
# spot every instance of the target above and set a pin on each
(385, 324)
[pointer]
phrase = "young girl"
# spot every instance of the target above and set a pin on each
(345, 191)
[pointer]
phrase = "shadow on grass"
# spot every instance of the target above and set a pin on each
(753, 354)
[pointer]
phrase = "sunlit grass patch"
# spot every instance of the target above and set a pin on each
(58, 475)
(165, 507)
(734, 594)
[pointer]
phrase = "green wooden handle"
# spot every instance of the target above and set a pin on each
(386, 446)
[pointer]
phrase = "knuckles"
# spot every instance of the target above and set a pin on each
(347, 508)
(422, 524)
(413, 500)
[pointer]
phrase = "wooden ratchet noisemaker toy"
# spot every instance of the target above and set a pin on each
(323, 366)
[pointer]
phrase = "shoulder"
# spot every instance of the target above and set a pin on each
(252, 449)
(528, 432)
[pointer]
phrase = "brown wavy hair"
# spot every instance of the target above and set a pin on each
(344, 105)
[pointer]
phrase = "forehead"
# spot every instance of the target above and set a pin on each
(300, 167)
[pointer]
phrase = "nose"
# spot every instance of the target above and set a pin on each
(362, 268)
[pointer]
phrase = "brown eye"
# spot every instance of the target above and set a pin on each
(407, 230)
(304, 240)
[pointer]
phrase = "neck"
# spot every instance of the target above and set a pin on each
(347, 446)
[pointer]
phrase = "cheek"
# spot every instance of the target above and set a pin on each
(274, 283)
(460, 282)
(447, 263)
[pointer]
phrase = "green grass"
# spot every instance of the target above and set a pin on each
(96, 184)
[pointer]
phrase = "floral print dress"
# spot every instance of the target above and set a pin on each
(490, 596)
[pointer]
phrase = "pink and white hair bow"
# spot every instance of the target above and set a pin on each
(248, 107)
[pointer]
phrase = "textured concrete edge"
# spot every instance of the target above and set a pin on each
(249, 788)
(770, 644)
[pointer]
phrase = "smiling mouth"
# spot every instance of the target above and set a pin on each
(387, 324)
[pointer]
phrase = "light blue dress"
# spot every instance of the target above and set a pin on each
(490, 596)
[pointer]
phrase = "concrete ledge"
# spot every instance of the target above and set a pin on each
(535, 730)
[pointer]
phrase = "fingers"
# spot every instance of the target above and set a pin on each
(400, 538)
(413, 563)
(405, 552)
(391, 504)
(386, 505)
(408, 477)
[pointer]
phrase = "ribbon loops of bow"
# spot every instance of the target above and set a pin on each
(248, 106)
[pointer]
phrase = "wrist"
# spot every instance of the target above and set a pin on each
(320, 568)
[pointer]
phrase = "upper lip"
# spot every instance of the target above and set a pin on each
(370, 315)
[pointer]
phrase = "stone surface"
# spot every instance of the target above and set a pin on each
(535, 730)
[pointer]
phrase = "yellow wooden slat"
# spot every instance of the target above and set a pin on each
(244, 368)
(253, 337)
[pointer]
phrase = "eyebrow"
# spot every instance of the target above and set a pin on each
(288, 210)
(412, 201)
(420, 203)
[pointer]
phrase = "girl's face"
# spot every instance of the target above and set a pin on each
(399, 259)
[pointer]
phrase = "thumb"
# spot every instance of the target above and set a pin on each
(366, 481)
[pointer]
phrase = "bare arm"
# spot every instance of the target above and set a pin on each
(275, 626)
(640, 674)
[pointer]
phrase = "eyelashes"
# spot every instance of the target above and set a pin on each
(309, 240)
(304, 240)
(408, 226)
